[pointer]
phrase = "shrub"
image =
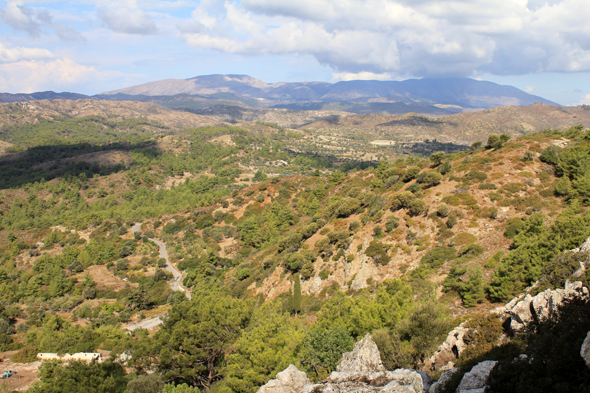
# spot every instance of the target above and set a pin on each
(378, 252)
(322, 350)
(433, 260)
(27, 354)
(417, 207)
(307, 271)
(437, 157)
(410, 174)
(401, 200)
(392, 223)
(443, 210)
(476, 175)
(512, 227)
(122, 264)
(550, 155)
(464, 238)
(429, 178)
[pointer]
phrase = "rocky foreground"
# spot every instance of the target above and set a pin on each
(359, 371)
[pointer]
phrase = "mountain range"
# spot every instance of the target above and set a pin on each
(433, 96)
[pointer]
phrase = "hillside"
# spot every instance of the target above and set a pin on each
(288, 248)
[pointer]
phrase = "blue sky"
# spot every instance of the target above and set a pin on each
(540, 46)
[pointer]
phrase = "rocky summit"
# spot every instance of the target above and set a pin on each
(360, 370)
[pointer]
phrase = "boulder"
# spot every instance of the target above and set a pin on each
(585, 350)
(361, 370)
(364, 357)
(444, 377)
(520, 314)
(291, 380)
(426, 381)
(477, 379)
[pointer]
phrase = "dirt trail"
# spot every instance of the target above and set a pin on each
(176, 282)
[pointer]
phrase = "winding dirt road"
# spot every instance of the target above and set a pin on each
(176, 282)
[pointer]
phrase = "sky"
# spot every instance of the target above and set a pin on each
(89, 47)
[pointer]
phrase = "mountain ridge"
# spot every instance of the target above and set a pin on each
(465, 92)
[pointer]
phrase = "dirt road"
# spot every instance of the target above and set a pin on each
(176, 282)
(147, 324)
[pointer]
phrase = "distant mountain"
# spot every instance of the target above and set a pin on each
(43, 95)
(458, 92)
(427, 96)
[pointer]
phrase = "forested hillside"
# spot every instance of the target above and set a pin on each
(290, 253)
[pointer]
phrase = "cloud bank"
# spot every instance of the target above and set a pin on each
(403, 37)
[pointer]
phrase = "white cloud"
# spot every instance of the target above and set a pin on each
(530, 89)
(403, 37)
(27, 76)
(17, 15)
(585, 100)
(15, 54)
(127, 20)
(350, 76)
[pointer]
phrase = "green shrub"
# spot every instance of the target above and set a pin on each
(322, 350)
(401, 200)
(429, 178)
(443, 210)
(27, 354)
(433, 260)
(417, 207)
(378, 252)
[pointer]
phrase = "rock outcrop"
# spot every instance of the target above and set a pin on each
(585, 350)
(476, 380)
(444, 377)
(360, 370)
(291, 380)
(522, 311)
(519, 312)
(444, 358)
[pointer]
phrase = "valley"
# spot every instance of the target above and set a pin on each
(217, 247)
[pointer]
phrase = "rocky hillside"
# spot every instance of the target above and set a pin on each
(289, 256)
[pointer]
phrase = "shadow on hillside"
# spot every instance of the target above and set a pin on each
(62, 160)
(552, 348)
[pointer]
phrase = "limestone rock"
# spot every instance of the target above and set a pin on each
(522, 311)
(477, 378)
(291, 380)
(444, 377)
(360, 371)
(449, 350)
(364, 357)
(585, 350)
(398, 381)
(521, 314)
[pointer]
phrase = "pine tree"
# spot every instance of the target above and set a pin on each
(473, 292)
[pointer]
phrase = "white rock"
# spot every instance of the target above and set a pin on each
(478, 377)
(291, 380)
(450, 349)
(521, 313)
(364, 357)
